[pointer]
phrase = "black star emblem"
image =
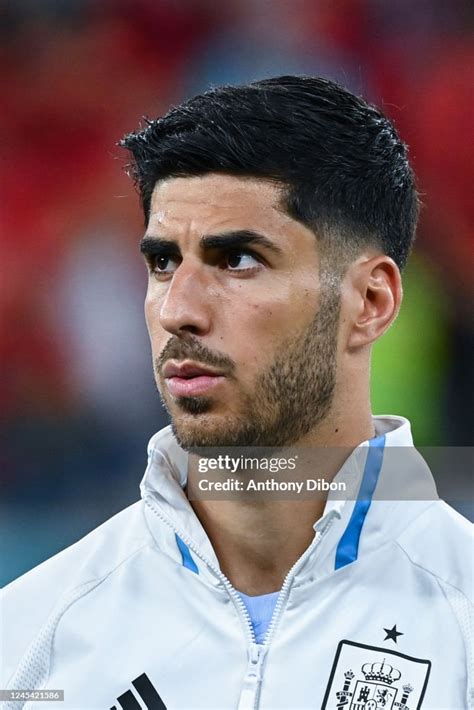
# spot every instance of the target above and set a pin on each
(392, 633)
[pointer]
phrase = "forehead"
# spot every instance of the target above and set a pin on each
(216, 202)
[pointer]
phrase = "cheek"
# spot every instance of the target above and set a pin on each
(148, 309)
(152, 319)
(279, 317)
(255, 333)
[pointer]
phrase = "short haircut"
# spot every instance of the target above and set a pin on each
(343, 169)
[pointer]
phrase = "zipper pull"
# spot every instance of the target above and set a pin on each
(256, 657)
(253, 677)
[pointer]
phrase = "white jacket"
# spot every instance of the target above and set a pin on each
(138, 614)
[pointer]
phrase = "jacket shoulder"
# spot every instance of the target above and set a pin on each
(27, 602)
(440, 541)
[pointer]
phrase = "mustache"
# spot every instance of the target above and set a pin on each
(179, 349)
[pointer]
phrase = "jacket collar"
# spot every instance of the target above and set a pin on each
(373, 466)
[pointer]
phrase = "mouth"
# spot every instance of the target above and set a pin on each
(190, 379)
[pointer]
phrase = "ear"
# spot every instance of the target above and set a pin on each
(373, 297)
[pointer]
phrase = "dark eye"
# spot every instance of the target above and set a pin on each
(163, 264)
(240, 261)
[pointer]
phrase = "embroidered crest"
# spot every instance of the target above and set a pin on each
(369, 678)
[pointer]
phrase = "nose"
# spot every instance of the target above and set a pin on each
(186, 307)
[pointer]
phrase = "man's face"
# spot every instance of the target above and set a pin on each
(243, 333)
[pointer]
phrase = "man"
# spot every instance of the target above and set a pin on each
(278, 217)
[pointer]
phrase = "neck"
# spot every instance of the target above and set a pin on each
(258, 541)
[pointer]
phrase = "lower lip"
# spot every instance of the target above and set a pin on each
(192, 387)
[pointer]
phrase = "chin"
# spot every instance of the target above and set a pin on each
(197, 431)
(196, 437)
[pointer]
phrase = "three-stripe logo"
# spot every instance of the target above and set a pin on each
(147, 692)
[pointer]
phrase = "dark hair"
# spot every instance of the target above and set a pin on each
(342, 166)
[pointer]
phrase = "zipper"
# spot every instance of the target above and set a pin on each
(250, 693)
(251, 638)
(285, 589)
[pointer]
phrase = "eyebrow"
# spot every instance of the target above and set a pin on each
(226, 240)
(152, 245)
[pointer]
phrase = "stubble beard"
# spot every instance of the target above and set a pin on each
(291, 397)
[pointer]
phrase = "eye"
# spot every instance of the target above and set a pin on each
(240, 261)
(163, 264)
